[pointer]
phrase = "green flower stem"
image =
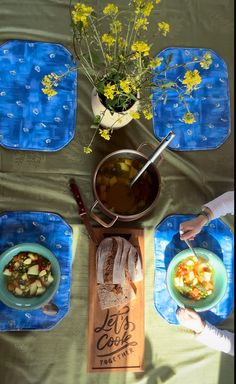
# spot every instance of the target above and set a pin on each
(168, 68)
(181, 97)
(88, 75)
(89, 52)
(126, 39)
(132, 31)
(91, 141)
(116, 45)
(98, 38)
(80, 58)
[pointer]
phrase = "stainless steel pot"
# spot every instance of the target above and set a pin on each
(156, 181)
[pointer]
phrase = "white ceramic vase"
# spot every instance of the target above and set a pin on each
(108, 120)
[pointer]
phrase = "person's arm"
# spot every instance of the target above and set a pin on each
(220, 340)
(220, 206)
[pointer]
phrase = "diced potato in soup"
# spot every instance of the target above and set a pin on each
(194, 278)
(28, 274)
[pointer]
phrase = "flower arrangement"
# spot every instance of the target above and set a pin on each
(113, 52)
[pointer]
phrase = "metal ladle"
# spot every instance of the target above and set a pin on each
(155, 155)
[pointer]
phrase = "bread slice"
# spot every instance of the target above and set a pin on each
(118, 266)
(111, 295)
(114, 256)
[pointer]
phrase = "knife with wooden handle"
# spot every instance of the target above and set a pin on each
(83, 213)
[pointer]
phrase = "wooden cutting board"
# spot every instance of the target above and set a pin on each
(116, 335)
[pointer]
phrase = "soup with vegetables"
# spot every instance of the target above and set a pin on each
(28, 274)
(194, 278)
(113, 186)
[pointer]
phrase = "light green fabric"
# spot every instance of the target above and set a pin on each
(39, 181)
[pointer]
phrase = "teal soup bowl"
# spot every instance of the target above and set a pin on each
(32, 302)
(219, 274)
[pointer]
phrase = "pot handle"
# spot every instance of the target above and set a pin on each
(99, 220)
(160, 157)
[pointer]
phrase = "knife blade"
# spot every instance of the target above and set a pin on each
(83, 213)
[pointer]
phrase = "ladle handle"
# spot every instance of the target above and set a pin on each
(169, 137)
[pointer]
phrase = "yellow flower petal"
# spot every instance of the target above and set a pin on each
(189, 118)
(110, 9)
(80, 13)
(125, 86)
(108, 39)
(164, 28)
(88, 150)
(191, 79)
(135, 115)
(109, 91)
(140, 47)
(105, 133)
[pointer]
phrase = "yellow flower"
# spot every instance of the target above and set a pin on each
(135, 115)
(155, 62)
(164, 28)
(110, 9)
(109, 57)
(125, 86)
(49, 91)
(140, 47)
(88, 150)
(143, 7)
(157, 1)
(108, 39)
(192, 79)
(122, 42)
(206, 60)
(81, 13)
(109, 91)
(147, 114)
(141, 23)
(105, 133)
(122, 59)
(147, 8)
(46, 81)
(189, 118)
(116, 26)
(50, 81)
(139, 4)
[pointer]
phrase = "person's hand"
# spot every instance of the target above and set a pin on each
(190, 319)
(189, 229)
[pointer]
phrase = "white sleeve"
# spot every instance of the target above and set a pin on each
(218, 339)
(222, 205)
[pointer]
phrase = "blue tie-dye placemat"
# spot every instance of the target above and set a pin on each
(50, 230)
(217, 237)
(29, 119)
(210, 104)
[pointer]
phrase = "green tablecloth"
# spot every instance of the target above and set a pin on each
(39, 181)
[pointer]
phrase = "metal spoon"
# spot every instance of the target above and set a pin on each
(154, 156)
(50, 309)
(188, 244)
(190, 247)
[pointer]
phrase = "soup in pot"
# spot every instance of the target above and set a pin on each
(113, 186)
